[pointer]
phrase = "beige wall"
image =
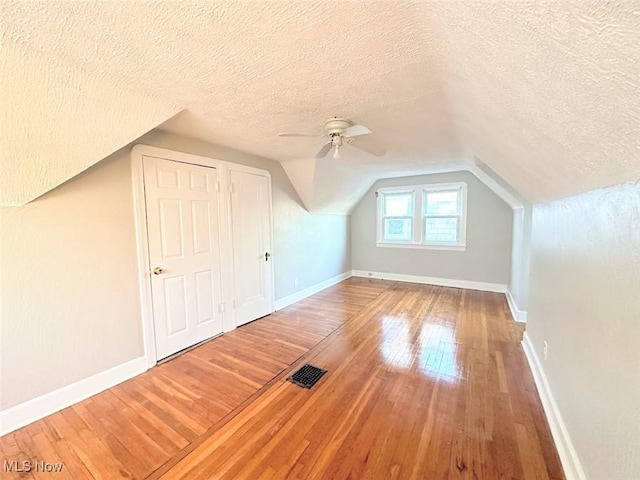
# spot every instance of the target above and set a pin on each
(521, 256)
(70, 306)
(488, 253)
(585, 302)
(521, 241)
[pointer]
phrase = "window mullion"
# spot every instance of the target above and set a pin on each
(379, 216)
(417, 215)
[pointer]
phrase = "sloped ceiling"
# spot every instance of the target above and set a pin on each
(545, 93)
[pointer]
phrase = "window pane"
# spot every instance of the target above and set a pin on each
(441, 230)
(398, 229)
(442, 203)
(397, 204)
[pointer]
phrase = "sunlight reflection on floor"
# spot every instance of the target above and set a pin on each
(433, 352)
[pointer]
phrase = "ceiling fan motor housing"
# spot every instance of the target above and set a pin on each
(336, 125)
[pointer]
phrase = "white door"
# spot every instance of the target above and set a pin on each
(251, 245)
(184, 253)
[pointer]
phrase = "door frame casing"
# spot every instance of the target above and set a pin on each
(138, 152)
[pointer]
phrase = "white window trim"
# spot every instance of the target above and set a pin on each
(418, 217)
(405, 190)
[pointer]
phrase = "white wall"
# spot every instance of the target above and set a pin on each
(70, 305)
(585, 302)
(489, 225)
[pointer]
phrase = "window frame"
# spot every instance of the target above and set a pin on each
(412, 217)
(419, 217)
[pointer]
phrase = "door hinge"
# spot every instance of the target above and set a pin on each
(231, 188)
(221, 308)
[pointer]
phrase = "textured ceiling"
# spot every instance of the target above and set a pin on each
(544, 93)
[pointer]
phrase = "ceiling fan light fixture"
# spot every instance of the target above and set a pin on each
(336, 152)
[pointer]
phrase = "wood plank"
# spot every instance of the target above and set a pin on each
(422, 382)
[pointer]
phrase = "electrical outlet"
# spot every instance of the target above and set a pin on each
(295, 281)
(546, 348)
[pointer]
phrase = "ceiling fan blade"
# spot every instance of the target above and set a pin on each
(356, 130)
(369, 147)
(324, 150)
(300, 135)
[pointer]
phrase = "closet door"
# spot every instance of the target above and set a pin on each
(184, 252)
(251, 245)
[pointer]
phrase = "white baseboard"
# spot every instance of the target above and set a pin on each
(443, 282)
(25, 413)
(517, 314)
(307, 292)
(568, 456)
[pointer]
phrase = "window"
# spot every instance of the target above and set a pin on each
(441, 213)
(423, 216)
(397, 217)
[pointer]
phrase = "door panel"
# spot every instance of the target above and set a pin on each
(171, 228)
(200, 214)
(183, 230)
(204, 299)
(251, 241)
(173, 291)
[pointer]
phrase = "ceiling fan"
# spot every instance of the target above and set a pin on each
(341, 131)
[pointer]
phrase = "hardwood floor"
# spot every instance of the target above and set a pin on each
(422, 382)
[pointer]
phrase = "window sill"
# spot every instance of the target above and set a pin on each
(458, 248)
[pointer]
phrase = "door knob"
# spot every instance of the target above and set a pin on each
(266, 256)
(157, 271)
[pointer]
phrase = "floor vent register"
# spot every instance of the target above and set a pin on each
(307, 376)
